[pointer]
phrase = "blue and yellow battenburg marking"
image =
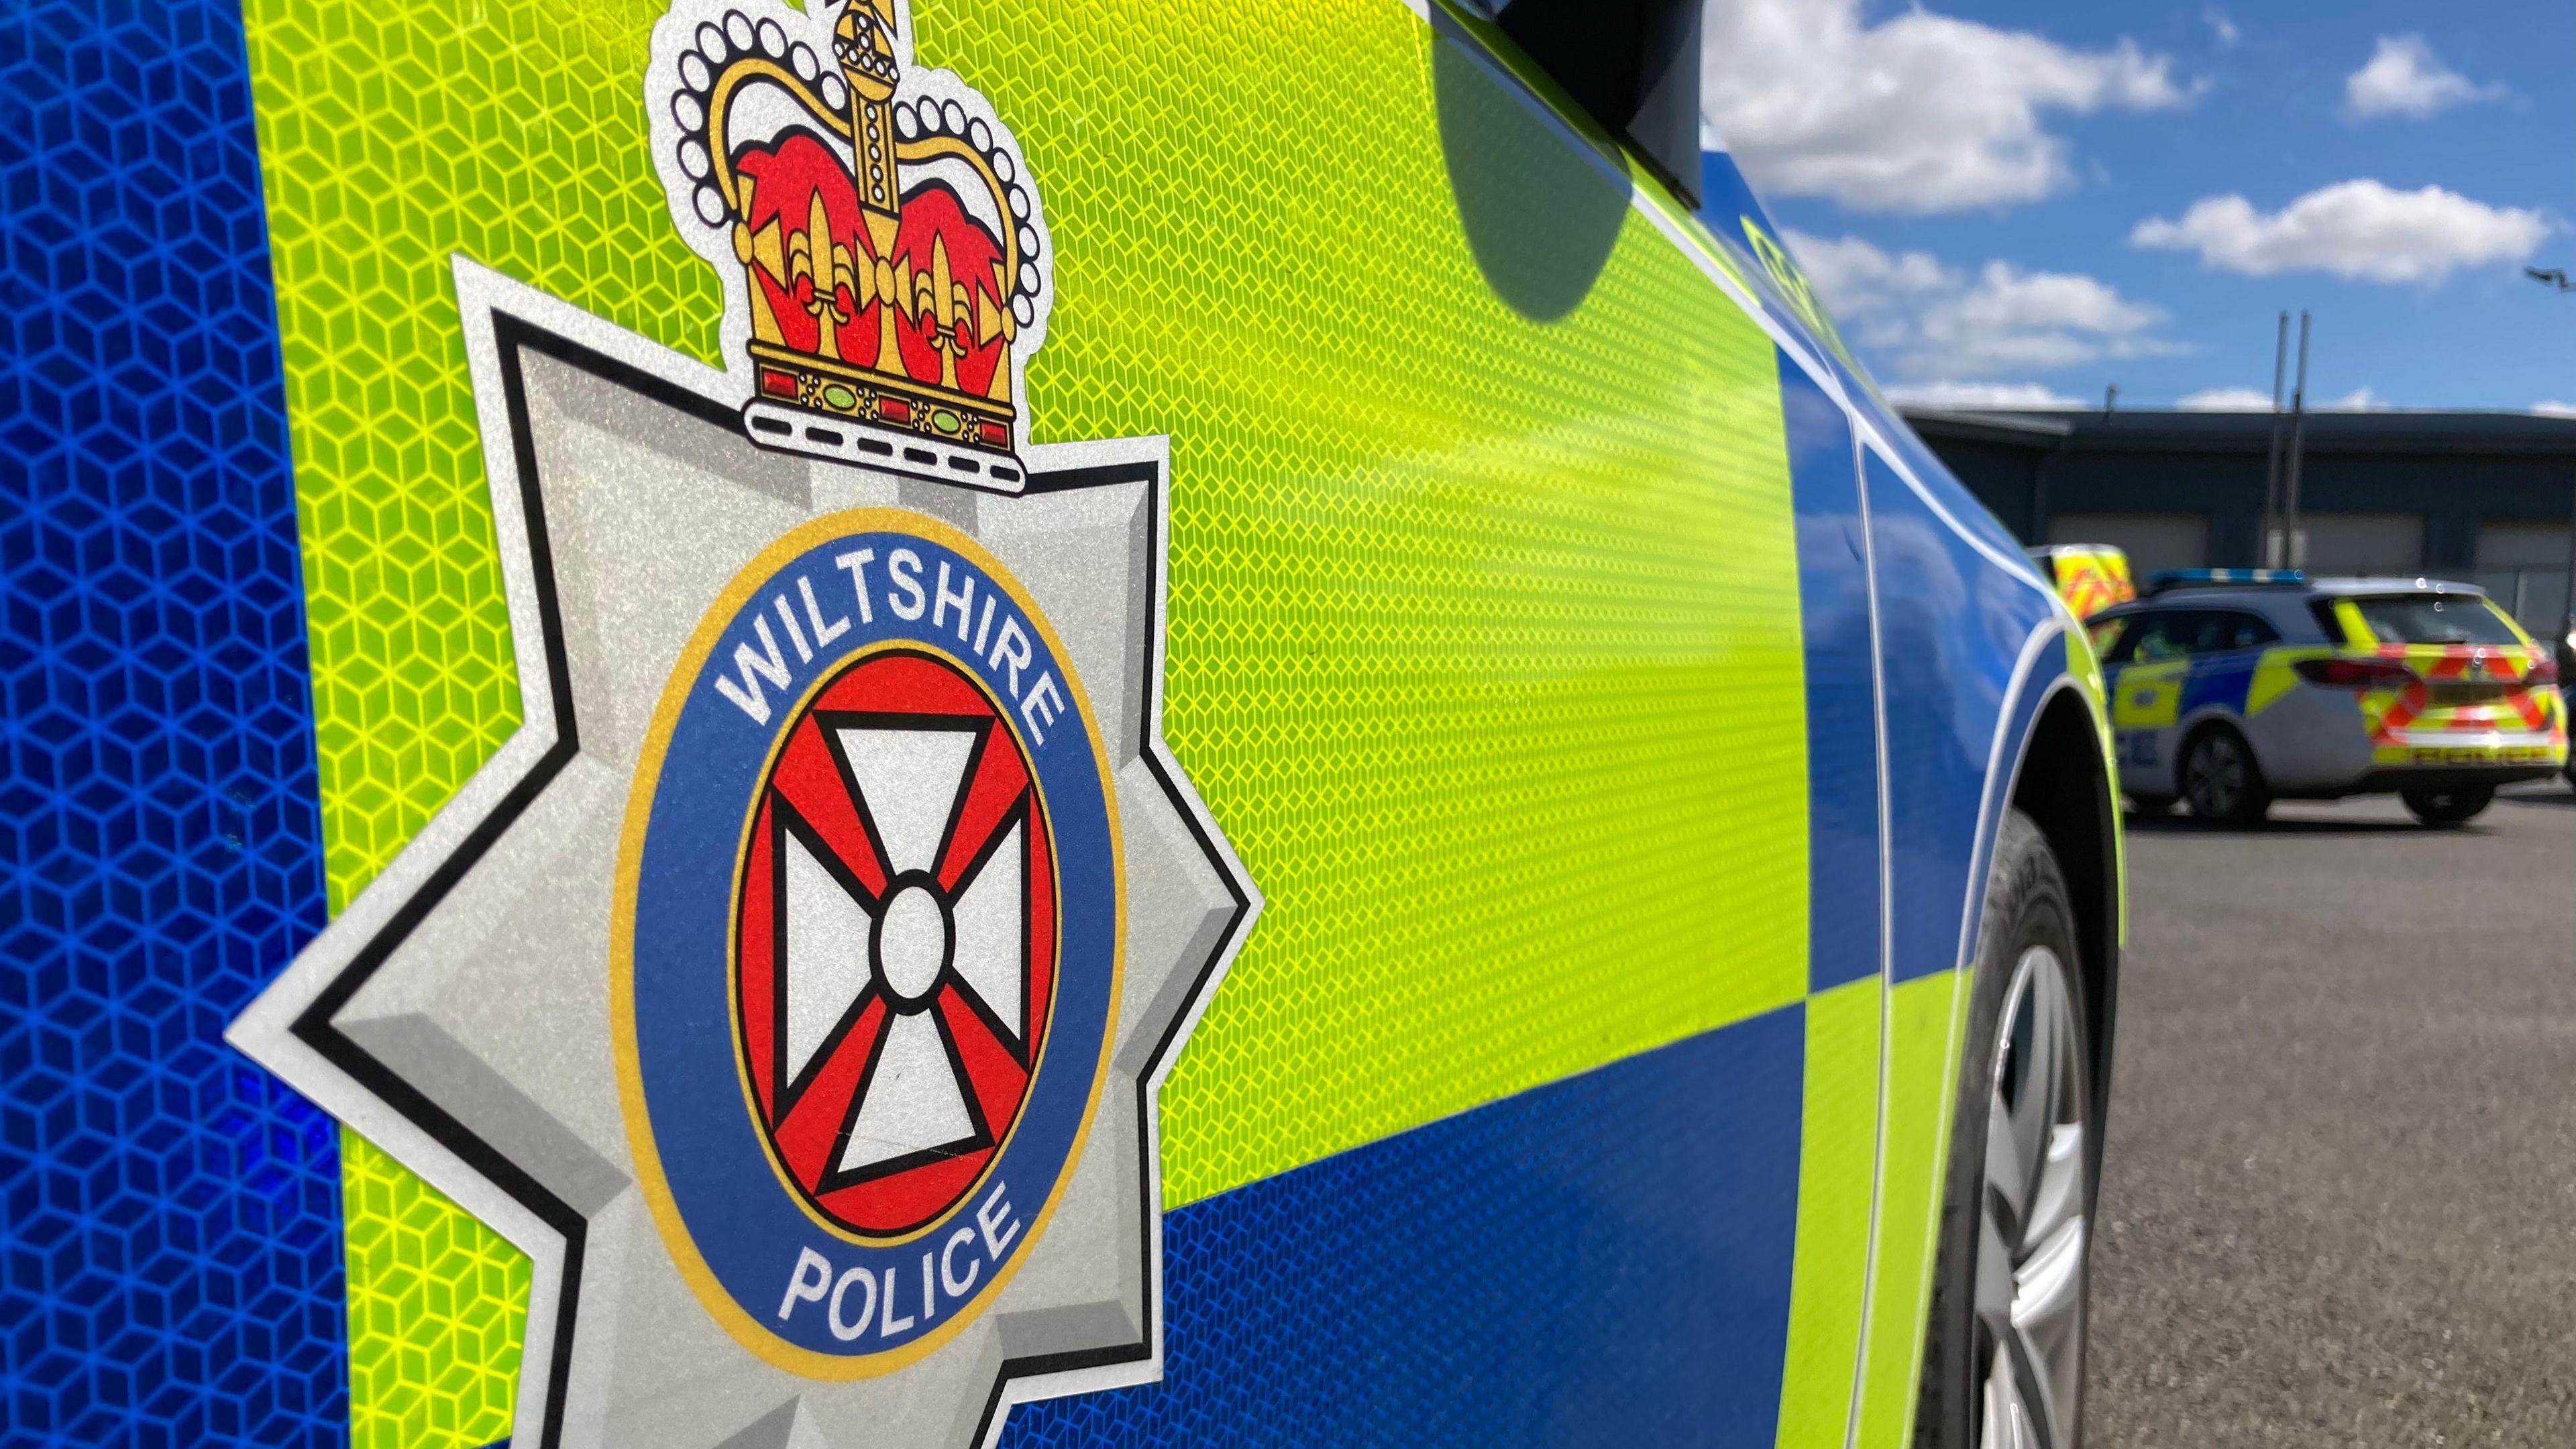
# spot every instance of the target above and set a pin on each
(1500, 976)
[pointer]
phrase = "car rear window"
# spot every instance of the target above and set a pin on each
(2434, 619)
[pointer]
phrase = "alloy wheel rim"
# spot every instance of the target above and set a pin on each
(2217, 776)
(2033, 1233)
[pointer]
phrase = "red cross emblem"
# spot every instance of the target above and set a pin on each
(895, 946)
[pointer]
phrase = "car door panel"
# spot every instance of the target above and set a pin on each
(1960, 638)
(1846, 940)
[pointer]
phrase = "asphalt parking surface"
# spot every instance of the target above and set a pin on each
(2339, 1188)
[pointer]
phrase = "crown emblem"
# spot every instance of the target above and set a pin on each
(885, 261)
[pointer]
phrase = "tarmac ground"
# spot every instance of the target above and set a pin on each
(2339, 1189)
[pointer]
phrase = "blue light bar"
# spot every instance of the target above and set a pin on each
(2207, 578)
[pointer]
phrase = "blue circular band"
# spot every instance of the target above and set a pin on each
(809, 1285)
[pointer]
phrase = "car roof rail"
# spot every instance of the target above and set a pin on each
(2165, 579)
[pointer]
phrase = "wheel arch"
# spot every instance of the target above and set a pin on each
(2200, 722)
(2064, 784)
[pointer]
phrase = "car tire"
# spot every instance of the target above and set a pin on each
(2022, 1176)
(2221, 779)
(2447, 805)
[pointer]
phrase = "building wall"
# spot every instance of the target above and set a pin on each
(2001, 475)
(2453, 491)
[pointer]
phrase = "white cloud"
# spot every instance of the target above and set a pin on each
(1980, 395)
(1917, 113)
(2012, 319)
(1933, 321)
(1856, 279)
(2251, 400)
(2405, 78)
(2354, 229)
(2555, 409)
(2227, 400)
(2220, 26)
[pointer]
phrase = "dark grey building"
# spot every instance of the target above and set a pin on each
(2476, 495)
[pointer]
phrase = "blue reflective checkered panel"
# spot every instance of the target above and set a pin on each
(1948, 659)
(1600, 1261)
(1835, 620)
(168, 1211)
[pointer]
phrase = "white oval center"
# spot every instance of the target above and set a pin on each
(912, 943)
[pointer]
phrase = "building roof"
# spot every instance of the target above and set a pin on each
(2011, 427)
(2386, 432)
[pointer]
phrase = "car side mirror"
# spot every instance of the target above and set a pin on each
(1633, 64)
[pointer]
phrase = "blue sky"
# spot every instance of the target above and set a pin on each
(2014, 201)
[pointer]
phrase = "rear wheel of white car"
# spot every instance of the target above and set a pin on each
(2447, 804)
(2003, 1361)
(2221, 780)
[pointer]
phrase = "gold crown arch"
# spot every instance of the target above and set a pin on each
(924, 418)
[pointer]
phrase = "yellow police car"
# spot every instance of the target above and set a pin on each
(2234, 688)
(2090, 577)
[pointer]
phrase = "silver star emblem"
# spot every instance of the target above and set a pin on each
(459, 1012)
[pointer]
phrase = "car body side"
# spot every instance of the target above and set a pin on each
(1536, 545)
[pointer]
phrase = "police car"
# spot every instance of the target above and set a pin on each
(2234, 688)
(752, 723)
(2090, 577)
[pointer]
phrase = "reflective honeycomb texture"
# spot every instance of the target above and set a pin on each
(437, 1311)
(394, 134)
(168, 1212)
(1483, 642)
(1616, 1278)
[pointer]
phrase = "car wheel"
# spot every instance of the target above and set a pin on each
(2221, 780)
(2003, 1361)
(2451, 805)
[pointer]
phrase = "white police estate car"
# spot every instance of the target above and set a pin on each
(2233, 688)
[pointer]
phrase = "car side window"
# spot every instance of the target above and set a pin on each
(2255, 632)
(2106, 639)
(2155, 638)
(2235, 629)
(2181, 633)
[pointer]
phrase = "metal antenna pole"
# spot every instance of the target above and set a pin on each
(2269, 543)
(2298, 449)
(2557, 277)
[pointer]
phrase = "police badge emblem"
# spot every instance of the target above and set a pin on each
(795, 985)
